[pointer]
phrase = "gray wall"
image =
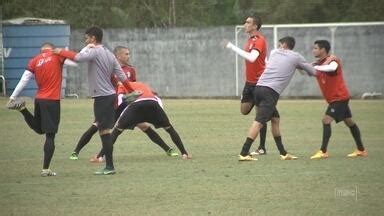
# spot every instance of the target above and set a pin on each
(188, 62)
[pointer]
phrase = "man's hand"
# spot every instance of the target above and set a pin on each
(130, 97)
(224, 43)
(91, 45)
(57, 50)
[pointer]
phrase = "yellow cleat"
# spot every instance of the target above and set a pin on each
(247, 158)
(320, 155)
(358, 153)
(288, 157)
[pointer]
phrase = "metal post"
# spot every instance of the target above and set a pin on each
(333, 30)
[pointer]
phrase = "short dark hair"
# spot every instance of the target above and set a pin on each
(96, 32)
(323, 44)
(118, 48)
(256, 20)
(289, 41)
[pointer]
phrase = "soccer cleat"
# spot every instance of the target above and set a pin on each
(105, 171)
(172, 153)
(47, 172)
(186, 157)
(288, 157)
(358, 153)
(258, 152)
(74, 156)
(16, 104)
(130, 97)
(320, 155)
(95, 159)
(247, 158)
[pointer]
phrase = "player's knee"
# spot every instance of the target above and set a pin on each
(246, 108)
(104, 131)
(245, 111)
(327, 120)
(349, 122)
(275, 121)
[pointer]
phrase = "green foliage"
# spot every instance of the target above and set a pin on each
(200, 13)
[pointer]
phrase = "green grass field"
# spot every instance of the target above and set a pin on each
(214, 182)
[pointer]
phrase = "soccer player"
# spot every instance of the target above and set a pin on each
(254, 53)
(278, 72)
(122, 55)
(147, 109)
(102, 64)
(46, 67)
(332, 85)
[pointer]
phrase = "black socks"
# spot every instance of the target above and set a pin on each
(280, 146)
(247, 145)
(357, 137)
(85, 138)
(49, 149)
(156, 139)
(327, 132)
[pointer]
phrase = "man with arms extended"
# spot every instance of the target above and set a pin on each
(254, 53)
(332, 85)
(47, 70)
(102, 65)
(279, 71)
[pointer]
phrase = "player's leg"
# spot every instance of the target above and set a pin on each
(246, 107)
(355, 131)
(327, 132)
(247, 98)
(127, 120)
(275, 125)
(263, 135)
(84, 140)
(263, 114)
(155, 137)
(105, 116)
(177, 141)
(253, 132)
(33, 121)
(50, 119)
(49, 149)
(116, 132)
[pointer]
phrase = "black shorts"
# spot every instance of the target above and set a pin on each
(104, 111)
(120, 109)
(266, 101)
(47, 114)
(143, 111)
(247, 95)
(339, 110)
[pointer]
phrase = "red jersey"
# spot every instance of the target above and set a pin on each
(130, 72)
(47, 68)
(147, 91)
(332, 84)
(253, 70)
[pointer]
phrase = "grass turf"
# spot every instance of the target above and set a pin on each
(214, 183)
